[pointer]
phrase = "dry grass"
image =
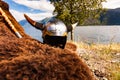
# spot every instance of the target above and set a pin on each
(103, 57)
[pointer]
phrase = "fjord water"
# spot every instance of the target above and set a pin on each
(88, 34)
(97, 34)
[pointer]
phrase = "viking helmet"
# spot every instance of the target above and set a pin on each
(55, 27)
(51, 26)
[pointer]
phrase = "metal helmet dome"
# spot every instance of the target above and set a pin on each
(49, 26)
(55, 27)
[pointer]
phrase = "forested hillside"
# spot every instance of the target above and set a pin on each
(107, 17)
(111, 17)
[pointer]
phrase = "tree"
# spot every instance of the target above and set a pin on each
(71, 11)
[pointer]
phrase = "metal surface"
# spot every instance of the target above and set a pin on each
(57, 29)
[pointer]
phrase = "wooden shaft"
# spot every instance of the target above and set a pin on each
(10, 23)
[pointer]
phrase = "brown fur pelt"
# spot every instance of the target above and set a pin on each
(28, 59)
(71, 46)
(54, 64)
(4, 5)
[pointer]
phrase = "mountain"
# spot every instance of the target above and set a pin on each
(23, 22)
(30, 30)
(111, 17)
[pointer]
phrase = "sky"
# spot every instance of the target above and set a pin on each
(36, 9)
(112, 4)
(39, 9)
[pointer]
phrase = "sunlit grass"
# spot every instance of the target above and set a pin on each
(106, 53)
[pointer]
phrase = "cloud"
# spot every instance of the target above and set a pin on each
(17, 15)
(37, 4)
(112, 4)
(34, 4)
(20, 15)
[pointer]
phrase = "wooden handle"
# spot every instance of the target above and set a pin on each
(10, 23)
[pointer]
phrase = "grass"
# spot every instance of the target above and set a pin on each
(104, 55)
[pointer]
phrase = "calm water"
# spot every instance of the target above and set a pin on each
(97, 34)
(88, 34)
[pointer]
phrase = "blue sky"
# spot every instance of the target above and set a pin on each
(39, 9)
(21, 8)
(36, 9)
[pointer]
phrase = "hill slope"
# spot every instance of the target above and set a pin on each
(111, 17)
